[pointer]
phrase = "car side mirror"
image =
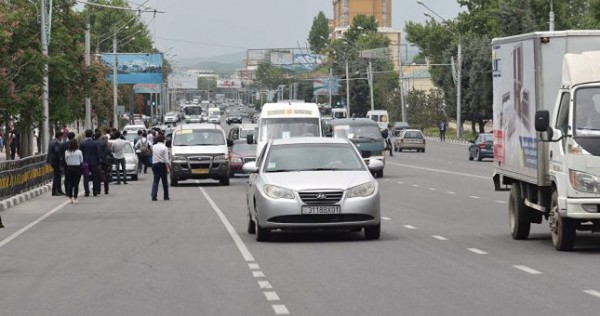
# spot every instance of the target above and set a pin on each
(229, 142)
(542, 120)
(250, 167)
(250, 139)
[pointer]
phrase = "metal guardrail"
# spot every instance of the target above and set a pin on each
(18, 176)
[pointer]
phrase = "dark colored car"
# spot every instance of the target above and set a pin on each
(240, 153)
(482, 147)
(234, 117)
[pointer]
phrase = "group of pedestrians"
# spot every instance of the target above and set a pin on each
(11, 141)
(94, 157)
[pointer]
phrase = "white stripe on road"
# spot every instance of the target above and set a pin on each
(439, 237)
(400, 182)
(592, 293)
(264, 285)
(432, 189)
(450, 192)
(474, 197)
(280, 310)
(37, 221)
(271, 296)
(527, 269)
(258, 274)
(410, 227)
(415, 185)
(253, 266)
(477, 251)
(501, 202)
(234, 235)
(386, 218)
(439, 170)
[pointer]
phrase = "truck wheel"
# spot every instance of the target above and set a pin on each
(563, 229)
(518, 214)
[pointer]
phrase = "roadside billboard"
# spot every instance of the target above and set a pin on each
(229, 83)
(282, 57)
(146, 88)
(135, 68)
(324, 85)
(183, 80)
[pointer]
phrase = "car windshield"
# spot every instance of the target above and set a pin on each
(413, 134)
(312, 157)
(276, 128)
(198, 137)
(357, 132)
(192, 110)
(587, 112)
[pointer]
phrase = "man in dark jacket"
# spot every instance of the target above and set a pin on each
(91, 156)
(54, 159)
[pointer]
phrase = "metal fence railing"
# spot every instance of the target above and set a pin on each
(18, 176)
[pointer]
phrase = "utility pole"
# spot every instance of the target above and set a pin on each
(347, 89)
(329, 82)
(551, 22)
(45, 131)
(371, 84)
(458, 91)
(88, 62)
(115, 97)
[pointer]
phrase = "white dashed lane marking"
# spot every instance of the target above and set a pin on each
(415, 185)
(477, 251)
(264, 285)
(474, 197)
(432, 189)
(280, 310)
(400, 182)
(253, 266)
(527, 269)
(501, 202)
(410, 227)
(450, 192)
(592, 293)
(271, 296)
(439, 237)
(386, 218)
(258, 274)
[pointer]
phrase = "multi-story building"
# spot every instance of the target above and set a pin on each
(344, 12)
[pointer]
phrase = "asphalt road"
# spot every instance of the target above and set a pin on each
(444, 250)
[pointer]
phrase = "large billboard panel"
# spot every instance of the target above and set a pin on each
(229, 83)
(326, 86)
(183, 80)
(282, 57)
(256, 57)
(135, 68)
(146, 88)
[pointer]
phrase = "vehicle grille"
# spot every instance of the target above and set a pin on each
(199, 158)
(321, 218)
(321, 197)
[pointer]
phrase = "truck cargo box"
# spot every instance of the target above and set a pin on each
(527, 75)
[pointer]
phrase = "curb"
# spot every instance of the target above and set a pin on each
(23, 197)
(452, 141)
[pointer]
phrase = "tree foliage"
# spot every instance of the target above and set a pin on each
(318, 37)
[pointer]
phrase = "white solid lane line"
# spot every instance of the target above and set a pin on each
(527, 269)
(439, 237)
(440, 170)
(37, 221)
(234, 235)
(477, 251)
(592, 293)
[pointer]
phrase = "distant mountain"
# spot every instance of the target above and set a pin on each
(220, 64)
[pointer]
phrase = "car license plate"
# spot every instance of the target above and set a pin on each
(199, 171)
(321, 209)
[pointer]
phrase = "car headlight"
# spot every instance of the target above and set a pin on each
(178, 158)
(236, 160)
(221, 157)
(362, 190)
(276, 192)
(584, 182)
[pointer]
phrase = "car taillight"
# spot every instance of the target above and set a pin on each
(482, 146)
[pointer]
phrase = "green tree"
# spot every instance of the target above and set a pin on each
(319, 33)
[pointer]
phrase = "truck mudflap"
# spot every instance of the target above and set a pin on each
(499, 184)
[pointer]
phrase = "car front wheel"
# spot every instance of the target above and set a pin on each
(373, 232)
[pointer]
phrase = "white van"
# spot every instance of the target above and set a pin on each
(339, 113)
(381, 117)
(287, 120)
(199, 151)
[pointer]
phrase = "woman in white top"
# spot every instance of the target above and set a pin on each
(74, 160)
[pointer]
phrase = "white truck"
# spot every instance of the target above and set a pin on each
(547, 131)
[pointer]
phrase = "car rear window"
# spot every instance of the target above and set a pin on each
(413, 134)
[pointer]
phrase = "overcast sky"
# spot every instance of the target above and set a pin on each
(205, 28)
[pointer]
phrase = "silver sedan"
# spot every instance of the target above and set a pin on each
(312, 182)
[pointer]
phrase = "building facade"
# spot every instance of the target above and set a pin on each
(344, 12)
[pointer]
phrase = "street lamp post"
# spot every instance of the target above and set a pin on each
(458, 70)
(45, 132)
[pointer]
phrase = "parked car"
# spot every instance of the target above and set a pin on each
(482, 147)
(240, 153)
(131, 162)
(312, 182)
(214, 119)
(170, 118)
(410, 139)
